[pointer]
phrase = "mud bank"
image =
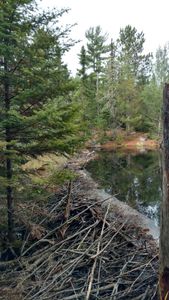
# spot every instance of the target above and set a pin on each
(134, 142)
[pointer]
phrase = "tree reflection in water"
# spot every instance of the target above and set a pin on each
(136, 179)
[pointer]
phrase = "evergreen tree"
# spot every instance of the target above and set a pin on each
(83, 63)
(161, 65)
(92, 62)
(36, 110)
(109, 99)
(127, 72)
(151, 104)
(96, 48)
(130, 46)
(133, 74)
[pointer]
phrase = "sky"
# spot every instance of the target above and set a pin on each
(149, 16)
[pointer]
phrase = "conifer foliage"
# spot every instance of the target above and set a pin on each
(36, 111)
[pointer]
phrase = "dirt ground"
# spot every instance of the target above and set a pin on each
(119, 139)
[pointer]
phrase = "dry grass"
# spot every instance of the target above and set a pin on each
(43, 166)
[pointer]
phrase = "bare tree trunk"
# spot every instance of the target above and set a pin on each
(164, 230)
(8, 160)
(97, 83)
(9, 196)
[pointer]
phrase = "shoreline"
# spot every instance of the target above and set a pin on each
(117, 207)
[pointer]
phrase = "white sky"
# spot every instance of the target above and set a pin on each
(149, 16)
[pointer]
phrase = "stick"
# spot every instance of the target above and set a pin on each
(97, 253)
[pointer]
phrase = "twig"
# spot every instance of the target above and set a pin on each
(103, 288)
(43, 258)
(57, 228)
(97, 253)
(109, 242)
(115, 289)
(145, 293)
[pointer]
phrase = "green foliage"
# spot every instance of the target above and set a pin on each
(118, 84)
(83, 63)
(161, 65)
(92, 63)
(112, 84)
(131, 57)
(96, 48)
(61, 176)
(40, 108)
(37, 113)
(128, 70)
(151, 105)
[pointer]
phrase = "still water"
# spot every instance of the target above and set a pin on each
(132, 178)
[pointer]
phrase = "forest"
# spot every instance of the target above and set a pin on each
(55, 243)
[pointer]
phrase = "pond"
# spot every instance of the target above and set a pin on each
(132, 178)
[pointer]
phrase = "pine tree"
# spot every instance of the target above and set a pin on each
(92, 62)
(133, 74)
(109, 100)
(131, 46)
(37, 114)
(96, 50)
(161, 65)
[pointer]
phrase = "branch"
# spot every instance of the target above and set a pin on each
(97, 254)
(15, 68)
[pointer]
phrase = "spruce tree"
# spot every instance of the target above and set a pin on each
(36, 114)
(83, 63)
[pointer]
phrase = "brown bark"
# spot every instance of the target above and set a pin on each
(164, 227)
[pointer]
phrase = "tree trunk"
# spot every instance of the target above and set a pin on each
(8, 160)
(9, 195)
(164, 230)
(97, 94)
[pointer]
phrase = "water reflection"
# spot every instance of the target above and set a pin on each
(136, 179)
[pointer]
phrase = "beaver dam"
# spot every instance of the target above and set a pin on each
(73, 248)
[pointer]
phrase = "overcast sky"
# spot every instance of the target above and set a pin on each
(149, 16)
